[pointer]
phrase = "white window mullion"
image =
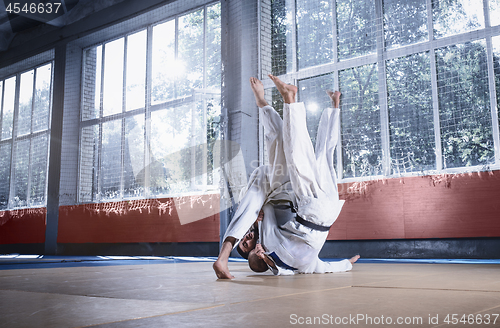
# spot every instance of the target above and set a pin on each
(33, 93)
(147, 123)
(193, 142)
(12, 191)
(101, 113)
(434, 87)
(45, 195)
(336, 86)
(205, 128)
(382, 91)
(124, 110)
(205, 59)
(293, 10)
(30, 156)
(176, 50)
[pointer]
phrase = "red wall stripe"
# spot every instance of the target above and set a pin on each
(183, 219)
(24, 226)
(439, 206)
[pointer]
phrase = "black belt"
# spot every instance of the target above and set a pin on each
(311, 225)
(300, 220)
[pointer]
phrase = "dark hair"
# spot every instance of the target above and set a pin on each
(257, 264)
(242, 253)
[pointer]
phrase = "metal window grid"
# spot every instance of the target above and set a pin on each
(147, 109)
(379, 58)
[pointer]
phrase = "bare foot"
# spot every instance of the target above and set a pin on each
(222, 270)
(287, 91)
(335, 97)
(354, 259)
(258, 92)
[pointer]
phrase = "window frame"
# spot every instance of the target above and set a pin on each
(14, 139)
(148, 108)
(383, 54)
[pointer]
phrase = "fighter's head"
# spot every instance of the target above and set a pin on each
(255, 263)
(248, 242)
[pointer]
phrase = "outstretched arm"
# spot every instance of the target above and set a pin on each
(220, 266)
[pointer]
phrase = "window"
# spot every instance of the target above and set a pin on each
(494, 12)
(362, 153)
(405, 22)
(314, 26)
(356, 28)
(25, 104)
(411, 121)
(415, 77)
(496, 68)
(456, 16)
(150, 107)
(464, 99)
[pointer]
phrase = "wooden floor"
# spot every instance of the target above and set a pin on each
(152, 293)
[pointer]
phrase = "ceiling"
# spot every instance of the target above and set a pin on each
(23, 22)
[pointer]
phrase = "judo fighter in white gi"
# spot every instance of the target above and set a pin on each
(294, 198)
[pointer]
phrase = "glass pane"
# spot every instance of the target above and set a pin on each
(214, 68)
(136, 70)
(411, 118)
(165, 67)
(111, 161)
(42, 98)
(405, 22)
(314, 32)
(281, 37)
(21, 166)
(8, 107)
(92, 83)
(25, 103)
(89, 163)
(170, 169)
(356, 28)
(199, 150)
(360, 122)
(113, 77)
(464, 105)
(456, 16)
(5, 152)
(213, 110)
(38, 184)
(494, 12)
(133, 167)
(312, 94)
(496, 65)
(190, 53)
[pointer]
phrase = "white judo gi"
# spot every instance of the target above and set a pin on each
(298, 175)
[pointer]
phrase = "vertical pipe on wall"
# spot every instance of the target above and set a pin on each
(56, 128)
(224, 215)
(239, 56)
